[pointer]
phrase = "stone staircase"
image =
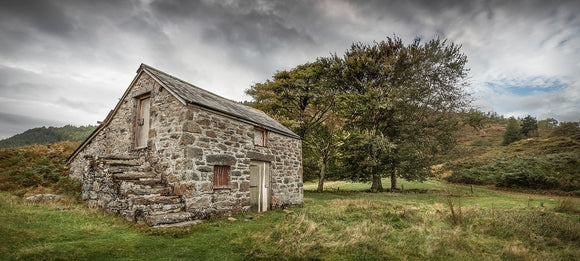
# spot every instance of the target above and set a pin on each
(143, 195)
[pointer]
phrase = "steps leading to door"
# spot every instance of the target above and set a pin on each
(146, 196)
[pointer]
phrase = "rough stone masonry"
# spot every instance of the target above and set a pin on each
(191, 134)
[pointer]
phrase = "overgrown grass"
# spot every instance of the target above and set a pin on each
(341, 225)
(38, 169)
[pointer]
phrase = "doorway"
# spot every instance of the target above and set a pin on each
(259, 186)
(142, 122)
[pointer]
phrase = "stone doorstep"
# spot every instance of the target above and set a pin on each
(132, 175)
(169, 218)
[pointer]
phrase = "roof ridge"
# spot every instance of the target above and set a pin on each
(188, 83)
(192, 94)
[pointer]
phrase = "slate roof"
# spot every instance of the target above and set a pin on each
(189, 93)
(192, 94)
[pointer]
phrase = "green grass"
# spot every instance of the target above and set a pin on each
(342, 224)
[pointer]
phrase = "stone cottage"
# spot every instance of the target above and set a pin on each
(170, 152)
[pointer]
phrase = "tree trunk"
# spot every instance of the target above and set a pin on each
(321, 176)
(393, 180)
(377, 185)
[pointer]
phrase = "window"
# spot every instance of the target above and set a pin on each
(260, 137)
(221, 176)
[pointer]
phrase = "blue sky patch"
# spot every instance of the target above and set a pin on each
(528, 87)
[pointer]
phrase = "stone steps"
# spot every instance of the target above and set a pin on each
(119, 157)
(181, 224)
(154, 210)
(169, 218)
(146, 182)
(155, 199)
(134, 175)
(165, 209)
(148, 196)
(142, 191)
(117, 162)
(121, 169)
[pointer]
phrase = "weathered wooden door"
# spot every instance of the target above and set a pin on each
(259, 186)
(142, 124)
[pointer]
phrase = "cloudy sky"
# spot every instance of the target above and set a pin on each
(68, 62)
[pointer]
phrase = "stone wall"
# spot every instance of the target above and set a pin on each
(185, 142)
(212, 139)
(115, 141)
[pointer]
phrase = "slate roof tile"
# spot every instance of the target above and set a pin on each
(195, 95)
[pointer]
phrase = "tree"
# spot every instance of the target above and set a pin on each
(397, 104)
(567, 129)
(548, 123)
(301, 99)
(529, 127)
(512, 132)
(475, 119)
(324, 142)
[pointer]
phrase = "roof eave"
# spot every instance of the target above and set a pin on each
(248, 120)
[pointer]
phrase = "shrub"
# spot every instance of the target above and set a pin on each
(466, 177)
(527, 180)
(568, 129)
(512, 132)
(70, 187)
(566, 206)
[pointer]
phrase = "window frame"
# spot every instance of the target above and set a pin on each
(264, 141)
(137, 129)
(219, 171)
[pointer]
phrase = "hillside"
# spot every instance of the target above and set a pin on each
(37, 168)
(44, 135)
(537, 163)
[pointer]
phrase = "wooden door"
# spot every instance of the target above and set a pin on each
(259, 186)
(142, 124)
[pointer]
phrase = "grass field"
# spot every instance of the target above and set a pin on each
(344, 223)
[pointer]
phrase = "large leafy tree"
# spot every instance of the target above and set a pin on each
(298, 98)
(398, 101)
(302, 99)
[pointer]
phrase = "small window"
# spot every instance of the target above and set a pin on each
(260, 137)
(221, 176)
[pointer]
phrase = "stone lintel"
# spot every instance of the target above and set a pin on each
(259, 156)
(221, 159)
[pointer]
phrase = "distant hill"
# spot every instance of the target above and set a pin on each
(46, 135)
(537, 163)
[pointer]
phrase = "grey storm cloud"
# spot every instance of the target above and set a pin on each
(68, 61)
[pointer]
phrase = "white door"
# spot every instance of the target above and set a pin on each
(259, 186)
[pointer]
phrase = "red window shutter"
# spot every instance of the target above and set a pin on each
(221, 176)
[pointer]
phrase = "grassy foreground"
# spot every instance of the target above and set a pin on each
(342, 224)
